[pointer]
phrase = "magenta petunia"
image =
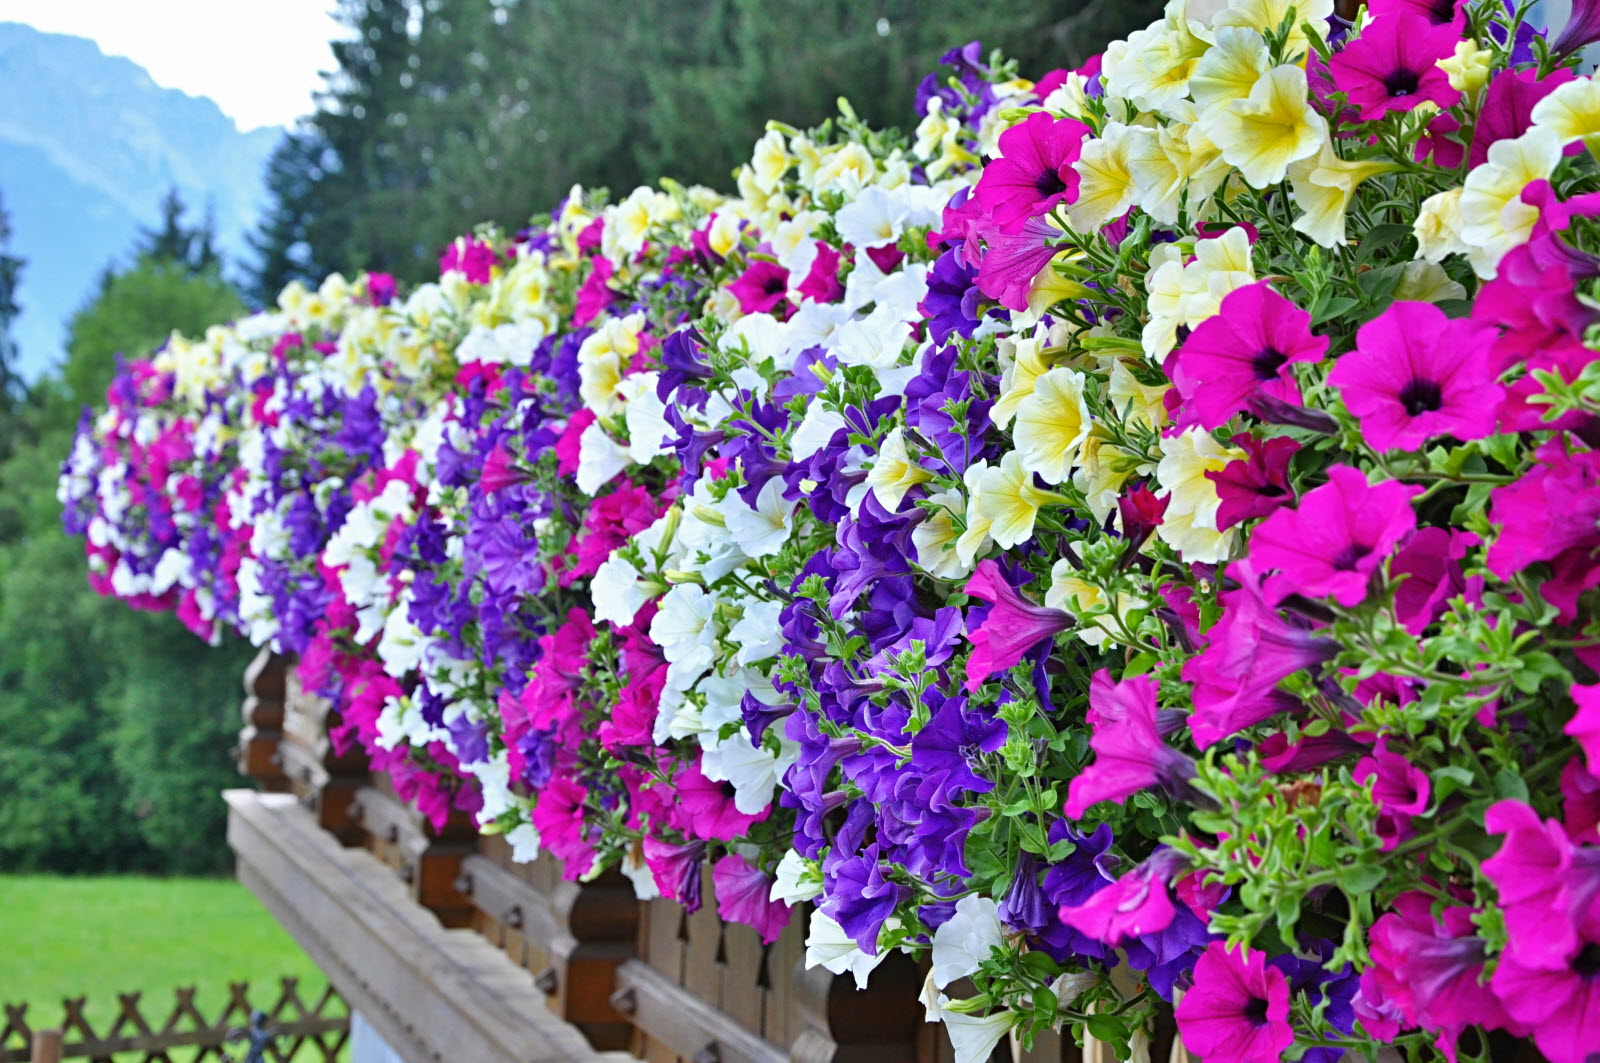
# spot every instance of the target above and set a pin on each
(1437, 12)
(1034, 171)
(558, 816)
(1551, 515)
(1559, 1004)
(1256, 485)
(1431, 969)
(1392, 65)
(1246, 654)
(1582, 28)
(676, 869)
(1012, 259)
(1338, 536)
(1547, 886)
(1430, 562)
(1242, 355)
(761, 288)
(1238, 1009)
(744, 896)
(1400, 789)
(1416, 374)
(1507, 110)
(1129, 752)
(1585, 723)
(709, 809)
(1136, 904)
(1012, 627)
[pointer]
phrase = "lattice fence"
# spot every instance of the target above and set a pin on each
(303, 1032)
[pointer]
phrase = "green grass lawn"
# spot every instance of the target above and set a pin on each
(97, 937)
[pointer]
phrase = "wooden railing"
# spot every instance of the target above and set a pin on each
(302, 1031)
(640, 978)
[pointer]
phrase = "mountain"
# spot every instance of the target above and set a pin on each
(89, 144)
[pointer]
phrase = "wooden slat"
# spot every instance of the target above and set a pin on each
(683, 1022)
(432, 994)
(741, 992)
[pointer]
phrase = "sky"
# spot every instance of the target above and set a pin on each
(258, 59)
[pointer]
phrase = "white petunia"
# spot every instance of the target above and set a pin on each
(763, 530)
(600, 458)
(829, 947)
(964, 941)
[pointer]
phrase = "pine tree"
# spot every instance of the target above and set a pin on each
(12, 390)
(174, 241)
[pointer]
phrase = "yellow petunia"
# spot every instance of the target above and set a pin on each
(1572, 112)
(1262, 134)
(893, 473)
(1008, 502)
(1494, 219)
(1106, 188)
(1322, 187)
(1052, 424)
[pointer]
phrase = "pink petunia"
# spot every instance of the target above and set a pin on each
(1391, 66)
(744, 896)
(676, 869)
(1136, 904)
(1430, 562)
(1551, 515)
(708, 807)
(1256, 485)
(1012, 260)
(1585, 723)
(1339, 535)
(1238, 1009)
(1241, 355)
(1012, 627)
(1400, 790)
(1416, 374)
(1034, 171)
(1430, 970)
(1559, 1004)
(1129, 752)
(1247, 653)
(761, 288)
(558, 816)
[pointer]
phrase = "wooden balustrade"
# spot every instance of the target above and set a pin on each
(646, 979)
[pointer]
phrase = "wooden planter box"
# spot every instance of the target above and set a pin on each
(604, 972)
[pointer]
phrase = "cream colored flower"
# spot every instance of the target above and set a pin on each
(1493, 217)
(1189, 524)
(1322, 187)
(1009, 502)
(1230, 70)
(1106, 187)
(893, 473)
(1052, 424)
(1572, 112)
(1274, 126)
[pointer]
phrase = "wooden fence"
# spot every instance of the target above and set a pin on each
(303, 1032)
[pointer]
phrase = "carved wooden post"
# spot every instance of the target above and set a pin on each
(427, 861)
(572, 936)
(324, 781)
(258, 749)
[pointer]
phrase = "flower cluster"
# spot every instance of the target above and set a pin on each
(1132, 541)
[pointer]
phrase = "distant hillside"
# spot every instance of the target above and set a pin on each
(88, 146)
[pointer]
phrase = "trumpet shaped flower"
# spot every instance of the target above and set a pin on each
(1263, 133)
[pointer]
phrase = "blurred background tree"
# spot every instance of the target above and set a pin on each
(117, 724)
(443, 113)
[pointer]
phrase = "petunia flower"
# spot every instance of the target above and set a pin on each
(1034, 171)
(1339, 535)
(676, 869)
(1129, 752)
(709, 807)
(1012, 626)
(1551, 514)
(1585, 723)
(1243, 352)
(1136, 904)
(1582, 28)
(1274, 126)
(1400, 790)
(1416, 373)
(965, 940)
(1247, 653)
(1560, 1005)
(1256, 485)
(1392, 66)
(1430, 970)
(744, 896)
(1238, 1009)
(762, 288)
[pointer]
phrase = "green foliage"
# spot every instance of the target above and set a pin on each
(448, 112)
(98, 937)
(114, 726)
